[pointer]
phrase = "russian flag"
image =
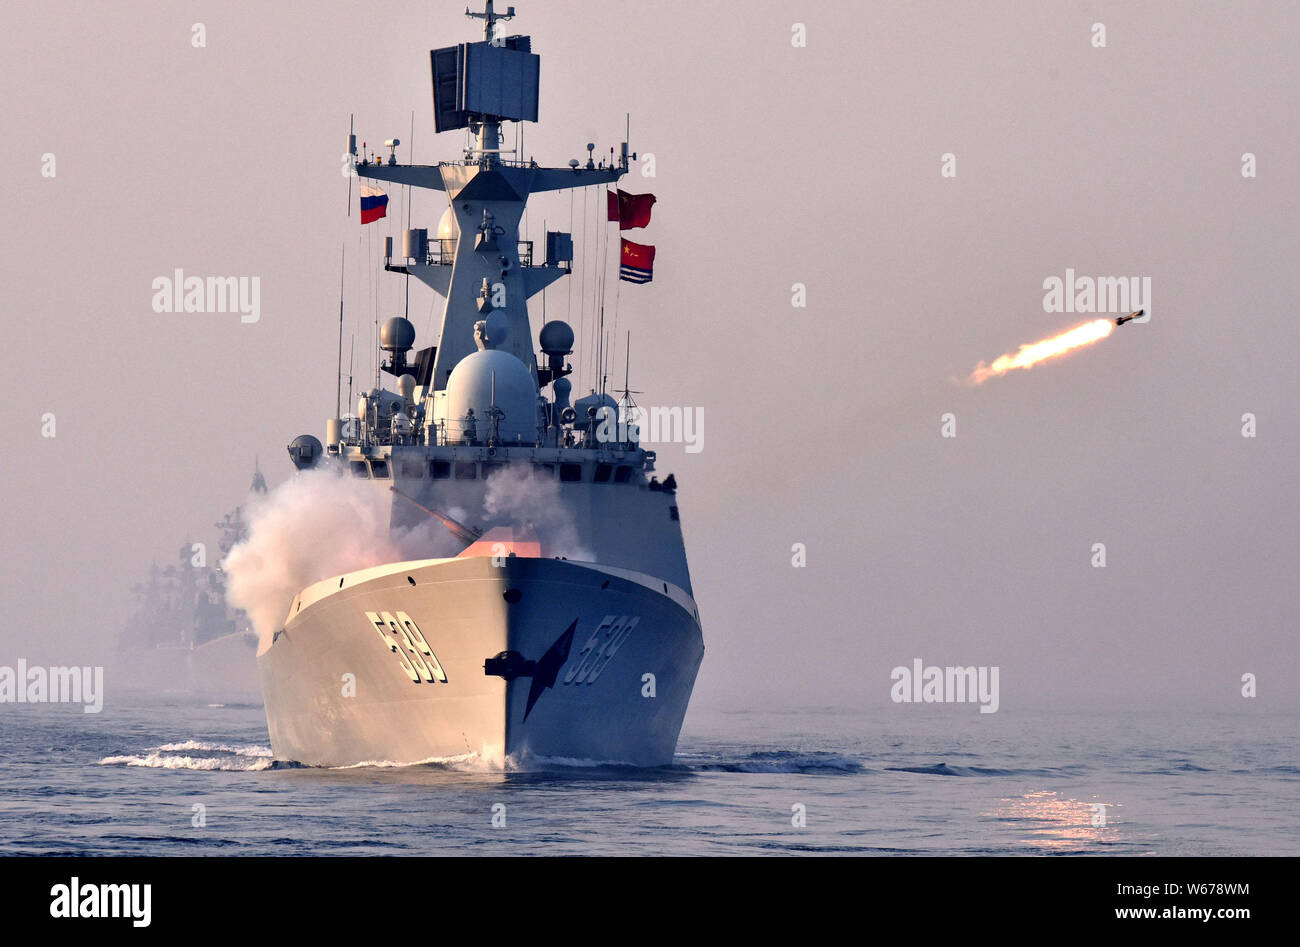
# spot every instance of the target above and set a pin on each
(636, 262)
(374, 204)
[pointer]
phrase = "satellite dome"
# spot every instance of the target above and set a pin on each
(498, 327)
(470, 388)
(304, 451)
(593, 409)
(556, 338)
(448, 229)
(562, 387)
(397, 335)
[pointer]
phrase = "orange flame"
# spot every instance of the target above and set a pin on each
(1031, 353)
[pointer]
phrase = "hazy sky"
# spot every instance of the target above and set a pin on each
(775, 165)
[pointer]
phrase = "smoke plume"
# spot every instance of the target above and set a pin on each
(515, 498)
(317, 525)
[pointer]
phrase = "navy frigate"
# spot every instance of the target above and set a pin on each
(570, 633)
(181, 636)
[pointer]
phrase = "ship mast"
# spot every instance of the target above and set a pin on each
(486, 272)
(489, 17)
(489, 129)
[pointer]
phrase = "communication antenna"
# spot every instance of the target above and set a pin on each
(352, 155)
(627, 371)
(495, 415)
(489, 17)
(338, 396)
(351, 358)
(410, 147)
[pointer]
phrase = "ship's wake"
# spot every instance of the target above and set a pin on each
(211, 756)
(757, 761)
(200, 755)
(799, 762)
(484, 762)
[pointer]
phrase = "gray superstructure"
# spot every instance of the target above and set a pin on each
(565, 628)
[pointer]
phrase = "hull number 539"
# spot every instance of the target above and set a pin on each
(402, 636)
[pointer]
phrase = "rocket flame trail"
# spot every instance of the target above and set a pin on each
(1031, 353)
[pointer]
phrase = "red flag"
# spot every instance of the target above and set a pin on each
(630, 210)
(636, 262)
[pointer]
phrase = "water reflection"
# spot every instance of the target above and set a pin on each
(1053, 822)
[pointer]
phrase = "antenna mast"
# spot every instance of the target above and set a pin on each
(351, 358)
(628, 408)
(352, 157)
(489, 17)
(338, 395)
(489, 129)
(410, 146)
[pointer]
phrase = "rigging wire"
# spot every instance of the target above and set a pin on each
(582, 294)
(568, 282)
(371, 289)
(410, 148)
(604, 289)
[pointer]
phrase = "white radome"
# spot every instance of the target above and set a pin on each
(491, 376)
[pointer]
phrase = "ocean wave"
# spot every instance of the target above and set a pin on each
(464, 762)
(489, 763)
(777, 761)
(159, 761)
(233, 757)
(944, 769)
(250, 749)
(526, 764)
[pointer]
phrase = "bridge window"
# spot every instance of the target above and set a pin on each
(440, 469)
(466, 470)
(544, 471)
(379, 469)
(622, 473)
(603, 472)
(359, 469)
(570, 473)
(491, 467)
(410, 469)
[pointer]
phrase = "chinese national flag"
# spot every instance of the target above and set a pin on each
(630, 210)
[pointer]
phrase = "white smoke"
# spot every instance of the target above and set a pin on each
(515, 498)
(323, 523)
(317, 525)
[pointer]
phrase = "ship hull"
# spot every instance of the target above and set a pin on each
(588, 663)
(226, 668)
